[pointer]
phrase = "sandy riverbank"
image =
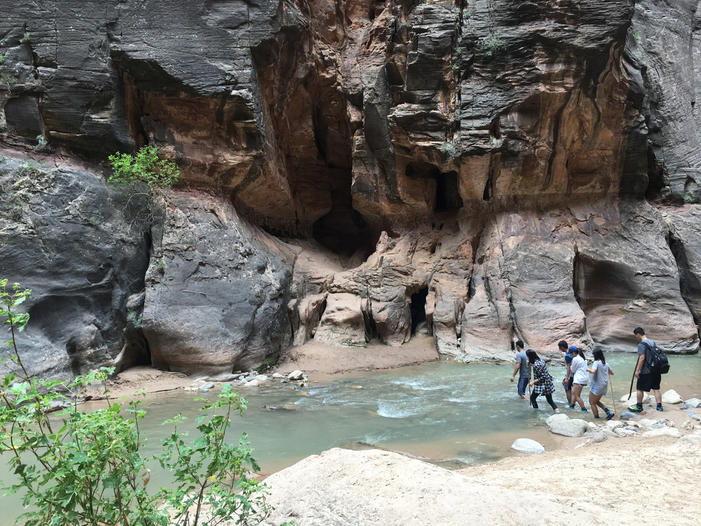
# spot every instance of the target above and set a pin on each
(321, 361)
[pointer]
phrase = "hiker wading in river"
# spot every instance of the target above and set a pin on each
(599, 384)
(522, 369)
(542, 382)
(648, 379)
(567, 380)
(579, 376)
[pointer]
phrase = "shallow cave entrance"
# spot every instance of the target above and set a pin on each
(418, 311)
(597, 283)
(344, 232)
(447, 196)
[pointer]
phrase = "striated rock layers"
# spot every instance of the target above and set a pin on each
(477, 170)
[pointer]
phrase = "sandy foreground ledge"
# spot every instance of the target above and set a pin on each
(627, 481)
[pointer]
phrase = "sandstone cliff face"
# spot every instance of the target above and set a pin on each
(476, 169)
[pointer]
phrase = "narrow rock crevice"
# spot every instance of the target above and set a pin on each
(418, 310)
(689, 283)
(578, 284)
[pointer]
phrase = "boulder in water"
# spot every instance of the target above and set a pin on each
(671, 397)
(295, 375)
(526, 445)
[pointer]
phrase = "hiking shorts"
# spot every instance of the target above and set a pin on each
(522, 384)
(649, 381)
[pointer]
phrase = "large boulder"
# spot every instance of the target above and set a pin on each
(561, 424)
(83, 250)
(381, 487)
(671, 397)
(217, 290)
(343, 321)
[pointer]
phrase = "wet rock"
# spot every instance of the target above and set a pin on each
(82, 250)
(216, 290)
(561, 424)
(671, 397)
(691, 403)
(526, 445)
(205, 387)
(628, 415)
(278, 376)
(295, 375)
(251, 383)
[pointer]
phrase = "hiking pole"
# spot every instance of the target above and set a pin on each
(613, 395)
(630, 391)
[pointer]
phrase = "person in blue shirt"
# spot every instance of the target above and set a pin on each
(522, 369)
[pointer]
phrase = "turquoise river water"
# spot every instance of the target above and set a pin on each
(444, 412)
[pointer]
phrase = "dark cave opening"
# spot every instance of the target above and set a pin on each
(447, 195)
(344, 232)
(418, 309)
(655, 175)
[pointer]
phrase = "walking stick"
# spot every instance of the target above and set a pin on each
(630, 391)
(613, 395)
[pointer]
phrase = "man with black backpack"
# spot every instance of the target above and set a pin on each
(651, 364)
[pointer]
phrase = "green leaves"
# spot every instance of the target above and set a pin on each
(80, 467)
(211, 473)
(144, 167)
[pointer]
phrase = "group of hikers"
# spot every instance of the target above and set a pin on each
(577, 376)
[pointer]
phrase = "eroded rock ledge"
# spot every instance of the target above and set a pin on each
(475, 170)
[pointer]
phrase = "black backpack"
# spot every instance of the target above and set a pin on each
(655, 359)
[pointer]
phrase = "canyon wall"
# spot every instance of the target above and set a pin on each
(479, 170)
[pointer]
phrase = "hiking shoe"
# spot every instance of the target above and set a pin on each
(597, 416)
(585, 410)
(571, 406)
(610, 415)
(636, 408)
(659, 407)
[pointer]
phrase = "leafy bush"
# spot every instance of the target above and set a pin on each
(144, 167)
(88, 468)
(491, 44)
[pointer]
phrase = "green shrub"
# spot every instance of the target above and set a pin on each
(88, 468)
(491, 44)
(144, 167)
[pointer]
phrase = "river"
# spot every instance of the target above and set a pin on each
(444, 412)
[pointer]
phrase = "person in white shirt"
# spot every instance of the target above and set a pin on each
(580, 378)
